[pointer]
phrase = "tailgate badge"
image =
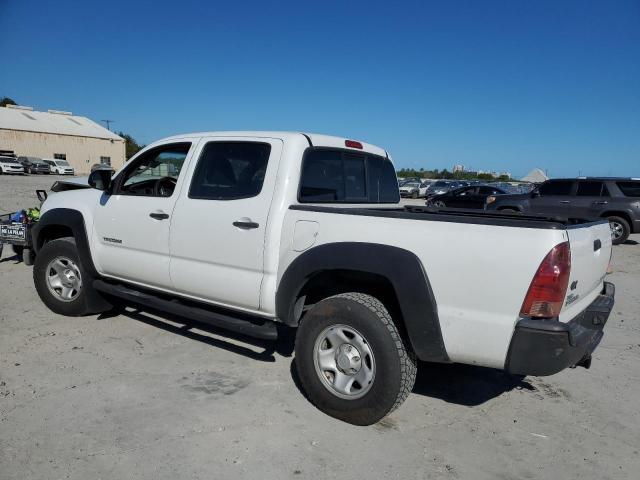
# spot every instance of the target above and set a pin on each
(571, 298)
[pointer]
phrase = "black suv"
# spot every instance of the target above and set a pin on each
(617, 199)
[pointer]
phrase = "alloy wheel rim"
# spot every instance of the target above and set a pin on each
(63, 279)
(344, 362)
(616, 229)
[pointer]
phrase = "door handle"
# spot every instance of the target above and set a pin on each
(159, 215)
(245, 224)
(565, 201)
(604, 202)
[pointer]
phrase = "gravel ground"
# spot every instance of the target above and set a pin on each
(139, 396)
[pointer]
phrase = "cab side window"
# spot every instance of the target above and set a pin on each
(154, 174)
(556, 187)
(590, 188)
(230, 171)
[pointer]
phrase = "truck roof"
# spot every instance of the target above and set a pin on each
(314, 139)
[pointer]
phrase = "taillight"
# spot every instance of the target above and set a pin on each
(549, 285)
(352, 144)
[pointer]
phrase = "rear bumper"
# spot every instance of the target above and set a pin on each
(545, 347)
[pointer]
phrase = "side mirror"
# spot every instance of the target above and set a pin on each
(101, 180)
(535, 193)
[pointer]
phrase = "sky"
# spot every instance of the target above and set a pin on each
(493, 85)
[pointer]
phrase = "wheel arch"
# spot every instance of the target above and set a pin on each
(621, 214)
(393, 275)
(64, 222)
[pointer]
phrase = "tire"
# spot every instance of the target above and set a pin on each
(414, 194)
(28, 257)
(376, 355)
(508, 210)
(59, 258)
(17, 249)
(1, 172)
(620, 229)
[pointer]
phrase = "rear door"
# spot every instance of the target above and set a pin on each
(554, 197)
(591, 198)
(219, 224)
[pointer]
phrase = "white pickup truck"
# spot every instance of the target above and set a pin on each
(251, 230)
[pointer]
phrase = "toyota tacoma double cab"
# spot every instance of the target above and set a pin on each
(251, 230)
(616, 199)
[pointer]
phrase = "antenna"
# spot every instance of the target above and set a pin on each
(108, 123)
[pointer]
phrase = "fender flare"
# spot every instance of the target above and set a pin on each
(72, 219)
(402, 268)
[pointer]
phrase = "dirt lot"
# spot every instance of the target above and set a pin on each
(139, 396)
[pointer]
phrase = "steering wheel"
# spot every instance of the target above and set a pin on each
(163, 187)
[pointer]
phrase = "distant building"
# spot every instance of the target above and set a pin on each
(535, 176)
(508, 174)
(59, 135)
(458, 168)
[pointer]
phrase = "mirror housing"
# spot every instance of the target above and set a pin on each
(535, 193)
(100, 179)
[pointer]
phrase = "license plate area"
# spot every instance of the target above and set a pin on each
(13, 232)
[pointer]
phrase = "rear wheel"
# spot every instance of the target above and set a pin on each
(414, 194)
(620, 230)
(62, 282)
(351, 359)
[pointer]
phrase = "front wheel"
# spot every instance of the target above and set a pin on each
(62, 283)
(351, 359)
(620, 230)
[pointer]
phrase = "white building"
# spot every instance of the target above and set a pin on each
(458, 168)
(59, 135)
(535, 176)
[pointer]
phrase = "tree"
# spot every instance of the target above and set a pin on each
(130, 145)
(4, 101)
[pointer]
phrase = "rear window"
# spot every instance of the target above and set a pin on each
(339, 176)
(629, 189)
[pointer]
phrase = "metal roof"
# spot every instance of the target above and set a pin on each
(61, 123)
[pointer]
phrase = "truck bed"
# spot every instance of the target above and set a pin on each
(479, 217)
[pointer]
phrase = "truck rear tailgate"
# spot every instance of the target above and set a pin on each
(590, 254)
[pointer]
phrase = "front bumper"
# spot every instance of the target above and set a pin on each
(545, 347)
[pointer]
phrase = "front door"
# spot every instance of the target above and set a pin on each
(131, 227)
(219, 223)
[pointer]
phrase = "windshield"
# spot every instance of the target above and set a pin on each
(7, 160)
(62, 163)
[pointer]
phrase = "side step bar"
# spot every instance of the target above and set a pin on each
(242, 323)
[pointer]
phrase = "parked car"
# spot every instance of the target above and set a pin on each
(59, 167)
(10, 165)
(439, 187)
(616, 199)
(465, 197)
(414, 189)
(257, 229)
(34, 165)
